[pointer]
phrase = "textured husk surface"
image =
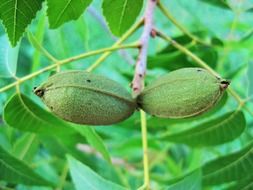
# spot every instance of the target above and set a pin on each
(182, 93)
(86, 98)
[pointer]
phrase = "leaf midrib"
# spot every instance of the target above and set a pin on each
(17, 171)
(27, 147)
(15, 21)
(211, 127)
(62, 12)
(230, 164)
(122, 15)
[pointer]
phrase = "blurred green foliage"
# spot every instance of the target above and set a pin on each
(34, 143)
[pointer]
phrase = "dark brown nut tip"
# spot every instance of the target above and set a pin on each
(38, 92)
(224, 84)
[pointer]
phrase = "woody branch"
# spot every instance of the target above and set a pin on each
(140, 68)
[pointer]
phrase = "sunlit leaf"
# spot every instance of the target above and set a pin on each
(121, 14)
(63, 11)
(17, 15)
(214, 132)
(85, 178)
(8, 58)
(17, 172)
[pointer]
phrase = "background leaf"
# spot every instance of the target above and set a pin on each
(63, 11)
(22, 113)
(32, 118)
(15, 171)
(191, 181)
(25, 147)
(8, 58)
(214, 132)
(232, 167)
(219, 3)
(171, 59)
(94, 140)
(17, 15)
(85, 178)
(121, 14)
(244, 184)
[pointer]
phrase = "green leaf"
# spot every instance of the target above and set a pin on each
(192, 182)
(183, 40)
(26, 147)
(22, 113)
(37, 45)
(39, 36)
(170, 58)
(232, 167)
(219, 3)
(121, 14)
(214, 132)
(236, 71)
(5, 140)
(244, 184)
(63, 11)
(85, 178)
(17, 172)
(8, 58)
(59, 147)
(17, 15)
(94, 140)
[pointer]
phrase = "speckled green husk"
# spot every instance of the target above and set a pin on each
(182, 93)
(85, 98)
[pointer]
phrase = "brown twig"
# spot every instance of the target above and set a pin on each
(140, 68)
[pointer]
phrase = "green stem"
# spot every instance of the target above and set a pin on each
(187, 52)
(62, 62)
(182, 28)
(121, 40)
(63, 177)
(146, 184)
